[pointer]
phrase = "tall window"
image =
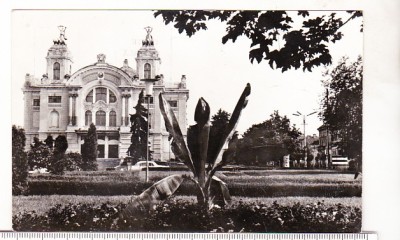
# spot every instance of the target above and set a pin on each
(36, 102)
(56, 71)
(113, 151)
(100, 118)
(89, 97)
(147, 71)
(113, 119)
(100, 151)
(101, 94)
(54, 117)
(88, 118)
(112, 98)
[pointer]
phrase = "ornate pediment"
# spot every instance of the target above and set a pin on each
(101, 105)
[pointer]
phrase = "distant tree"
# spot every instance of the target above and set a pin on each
(139, 130)
(57, 159)
(39, 155)
(278, 37)
(268, 141)
(19, 161)
(219, 123)
(89, 150)
(310, 157)
(342, 106)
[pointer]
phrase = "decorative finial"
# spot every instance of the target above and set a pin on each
(61, 40)
(149, 39)
(101, 58)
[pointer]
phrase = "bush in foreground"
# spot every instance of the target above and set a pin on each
(19, 161)
(183, 216)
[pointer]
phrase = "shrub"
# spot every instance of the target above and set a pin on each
(39, 154)
(47, 185)
(182, 216)
(57, 160)
(73, 161)
(89, 150)
(19, 161)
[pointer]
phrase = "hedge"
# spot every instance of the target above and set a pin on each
(65, 187)
(181, 216)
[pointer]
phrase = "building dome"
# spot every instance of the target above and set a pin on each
(126, 68)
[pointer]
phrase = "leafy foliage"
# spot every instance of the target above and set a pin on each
(53, 158)
(182, 216)
(139, 130)
(271, 139)
(49, 141)
(89, 150)
(148, 199)
(19, 161)
(73, 161)
(219, 123)
(194, 155)
(57, 160)
(39, 155)
(273, 34)
(342, 106)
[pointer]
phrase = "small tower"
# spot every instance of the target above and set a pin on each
(59, 60)
(147, 60)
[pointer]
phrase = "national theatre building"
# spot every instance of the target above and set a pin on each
(64, 102)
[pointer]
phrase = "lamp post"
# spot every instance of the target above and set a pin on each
(149, 83)
(304, 130)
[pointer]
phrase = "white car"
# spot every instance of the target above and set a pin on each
(141, 165)
(39, 170)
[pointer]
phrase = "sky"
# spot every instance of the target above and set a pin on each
(215, 71)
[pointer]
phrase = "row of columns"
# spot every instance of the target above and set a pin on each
(125, 109)
(72, 109)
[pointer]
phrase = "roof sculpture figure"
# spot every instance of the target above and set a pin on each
(61, 40)
(149, 39)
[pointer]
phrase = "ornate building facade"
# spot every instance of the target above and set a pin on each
(63, 102)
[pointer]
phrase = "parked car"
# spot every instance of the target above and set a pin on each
(39, 170)
(141, 165)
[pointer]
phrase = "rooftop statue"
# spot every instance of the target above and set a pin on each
(61, 40)
(149, 39)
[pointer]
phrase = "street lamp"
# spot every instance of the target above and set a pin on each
(304, 130)
(149, 83)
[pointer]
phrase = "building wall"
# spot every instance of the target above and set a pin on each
(40, 121)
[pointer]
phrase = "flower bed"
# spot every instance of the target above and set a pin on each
(183, 216)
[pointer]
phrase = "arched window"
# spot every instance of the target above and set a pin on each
(147, 71)
(101, 94)
(54, 117)
(56, 71)
(89, 97)
(113, 119)
(112, 97)
(100, 118)
(88, 118)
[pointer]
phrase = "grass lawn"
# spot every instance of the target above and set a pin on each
(283, 186)
(41, 204)
(260, 177)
